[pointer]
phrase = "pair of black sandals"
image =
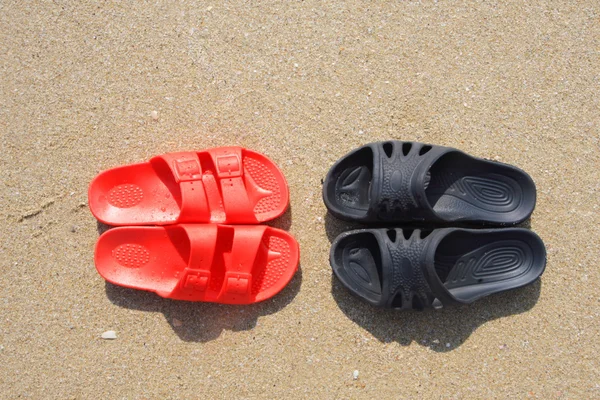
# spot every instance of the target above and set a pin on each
(389, 183)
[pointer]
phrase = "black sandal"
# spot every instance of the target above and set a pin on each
(404, 269)
(397, 181)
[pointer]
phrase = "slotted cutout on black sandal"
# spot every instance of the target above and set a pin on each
(397, 302)
(391, 233)
(417, 304)
(406, 146)
(424, 150)
(425, 232)
(407, 233)
(388, 148)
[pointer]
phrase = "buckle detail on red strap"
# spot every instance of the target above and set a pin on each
(196, 279)
(228, 166)
(237, 283)
(187, 169)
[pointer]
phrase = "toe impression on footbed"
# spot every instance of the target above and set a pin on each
(221, 185)
(239, 264)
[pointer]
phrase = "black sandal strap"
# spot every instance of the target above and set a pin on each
(400, 176)
(409, 283)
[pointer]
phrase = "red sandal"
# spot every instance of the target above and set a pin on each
(213, 263)
(223, 185)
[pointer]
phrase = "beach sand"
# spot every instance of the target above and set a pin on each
(87, 87)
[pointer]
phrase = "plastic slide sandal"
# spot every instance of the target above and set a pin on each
(223, 185)
(397, 181)
(239, 264)
(395, 268)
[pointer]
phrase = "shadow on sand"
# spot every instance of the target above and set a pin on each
(202, 322)
(440, 330)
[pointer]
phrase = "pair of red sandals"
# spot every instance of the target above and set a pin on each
(202, 240)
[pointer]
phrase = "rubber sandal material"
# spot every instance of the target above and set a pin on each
(397, 181)
(223, 185)
(199, 262)
(392, 268)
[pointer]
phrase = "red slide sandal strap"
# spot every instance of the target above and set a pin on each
(195, 278)
(237, 284)
(187, 171)
(230, 172)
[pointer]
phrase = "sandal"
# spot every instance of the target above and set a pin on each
(404, 269)
(223, 185)
(213, 263)
(397, 181)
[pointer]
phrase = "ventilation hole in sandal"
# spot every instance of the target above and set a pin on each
(417, 304)
(425, 149)
(406, 146)
(397, 302)
(391, 233)
(407, 233)
(388, 148)
(425, 232)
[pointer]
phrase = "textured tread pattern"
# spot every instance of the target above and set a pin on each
(131, 255)
(488, 191)
(491, 194)
(496, 261)
(408, 279)
(125, 196)
(395, 197)
(264, 177)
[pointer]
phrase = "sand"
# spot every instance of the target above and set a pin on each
(87, 87)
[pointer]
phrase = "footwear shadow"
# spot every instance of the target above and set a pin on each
(335, 226)
(101, 227)
(283, 222)
(441, 330)
(203, 322)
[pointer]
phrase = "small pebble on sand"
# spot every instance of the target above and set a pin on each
(109, 335)
(154, 115)
(355, 374)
